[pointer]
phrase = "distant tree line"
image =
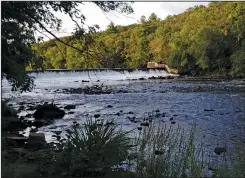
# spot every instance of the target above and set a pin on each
(202, 40)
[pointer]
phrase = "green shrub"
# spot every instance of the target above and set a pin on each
(91, 150)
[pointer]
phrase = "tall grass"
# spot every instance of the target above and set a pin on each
(92, 149)
(232, 165)
(165, 152)
(99, 148)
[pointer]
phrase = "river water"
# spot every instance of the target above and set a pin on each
(216, 107)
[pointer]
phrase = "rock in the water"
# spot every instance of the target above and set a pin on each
(109, 106)
(139, 128)
(21, 118)
(219, 150)
(36, 140)
(152, 77)
(158, 115)
(97, 115)
(173, 122)
(28, 115)
(12, 123)
(57, 132)
(31, 108)
(109, 123)
(8, 111)
(34, 130)
(141, 78)
(157, 110)
(161, 77)
(40, 123)
(70, 107)
(158, 152)
(209, 110)
(71, 112)
(85, 81)
(48, 111)
(21, 108)
(144, 124)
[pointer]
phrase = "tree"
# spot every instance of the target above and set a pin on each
(19, 22)
(153, 18)
(142, 19)
(197, 41)
(111, 28)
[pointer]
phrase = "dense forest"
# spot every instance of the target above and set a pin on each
(200, 41)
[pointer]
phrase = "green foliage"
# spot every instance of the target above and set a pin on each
(19, 22)
(91, 150)
(198, 41)
(97, 148)
(168, 152)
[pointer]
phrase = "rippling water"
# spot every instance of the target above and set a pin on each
(223, 125)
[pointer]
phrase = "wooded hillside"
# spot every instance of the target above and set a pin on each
(202, 40)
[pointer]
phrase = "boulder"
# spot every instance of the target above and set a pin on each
(139, 128)
(109, 106)
(28, 115)
(157, 115)
(41, 123)
(36, 140)
(161, 77)
(57, 132)
(31, 108)
(144, 124)
(209, 110)
(219, 150)
(12, 123)
(8, 111)
(158, 152)
(97, 115)
(49, 111)
(109, 123)
(34, 130)
(152, 77)
(69, 106)
(21, 108)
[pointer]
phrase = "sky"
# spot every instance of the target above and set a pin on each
(95, 15)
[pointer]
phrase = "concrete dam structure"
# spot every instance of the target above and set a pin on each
(160, 65)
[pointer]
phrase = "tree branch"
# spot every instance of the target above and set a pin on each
(58, 39)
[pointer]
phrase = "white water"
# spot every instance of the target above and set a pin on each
(56, 80)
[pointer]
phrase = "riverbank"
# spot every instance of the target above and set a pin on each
(161, 151)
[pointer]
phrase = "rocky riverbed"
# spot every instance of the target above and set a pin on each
(216, 107)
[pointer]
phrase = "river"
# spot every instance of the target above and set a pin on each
(216, 107)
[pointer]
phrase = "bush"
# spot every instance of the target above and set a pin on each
(90, 150)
